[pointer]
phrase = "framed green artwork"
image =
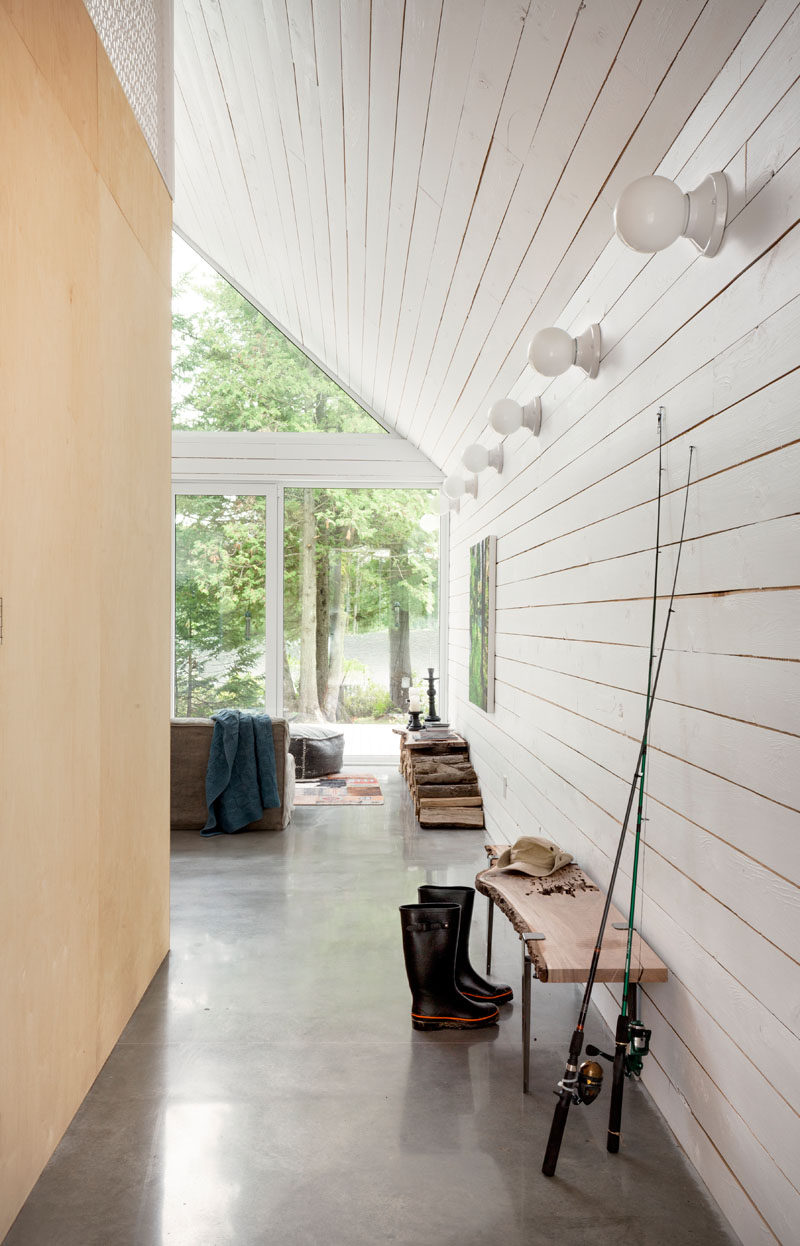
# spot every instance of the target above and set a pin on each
(482, 563)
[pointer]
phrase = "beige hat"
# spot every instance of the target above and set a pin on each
(530, 855)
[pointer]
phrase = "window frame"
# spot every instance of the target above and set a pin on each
(273, 491)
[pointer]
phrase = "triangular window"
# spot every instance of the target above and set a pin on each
(234, 371)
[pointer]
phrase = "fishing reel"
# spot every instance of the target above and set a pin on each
(639, 1042)
(586, 1086)
(638, 1048)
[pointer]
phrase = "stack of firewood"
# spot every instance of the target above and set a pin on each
(445, 791)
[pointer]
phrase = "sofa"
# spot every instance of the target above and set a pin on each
(190, 745)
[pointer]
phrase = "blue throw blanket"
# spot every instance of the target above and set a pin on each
(241, 780)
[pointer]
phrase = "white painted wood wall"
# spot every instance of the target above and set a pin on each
(715, 342)
(319, 460)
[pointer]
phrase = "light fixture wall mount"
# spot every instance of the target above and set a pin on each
(553, 351)
(506, 416)
(455, 487)
(653, 212)
(477, 458)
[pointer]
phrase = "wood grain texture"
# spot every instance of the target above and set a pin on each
(566, 908)
(84, 550)
(450, 819)
(452, 802)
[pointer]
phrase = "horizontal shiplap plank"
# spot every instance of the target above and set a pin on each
(598, 487)
(707, 1157)
(762, 555)
(364, 446)
(756, 758)
(564, 298)
(748, 689)
(596, 757)
(759, 490)
(643, 377)
(739, 623)
(562, 811)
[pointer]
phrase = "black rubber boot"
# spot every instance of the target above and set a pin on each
(467, 980)
(430, 942)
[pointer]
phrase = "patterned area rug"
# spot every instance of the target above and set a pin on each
(339, 789)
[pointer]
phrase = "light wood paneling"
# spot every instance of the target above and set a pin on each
(84, 575)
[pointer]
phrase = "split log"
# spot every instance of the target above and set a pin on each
(451, 802)
(436, 790)
(451, 819)
(424, 765)
(437, 746)
(446, 774)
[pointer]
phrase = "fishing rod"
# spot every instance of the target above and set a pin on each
(630, 1032)
(582, 1085)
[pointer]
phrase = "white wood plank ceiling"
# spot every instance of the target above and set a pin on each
(412, 187)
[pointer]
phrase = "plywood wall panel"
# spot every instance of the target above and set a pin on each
(128, 170)
(84, 355)
(134, 659)
(60, 39)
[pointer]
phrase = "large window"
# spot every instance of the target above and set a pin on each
(358, 593)
(320, 603)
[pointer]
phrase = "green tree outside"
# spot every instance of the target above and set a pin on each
(356, 561)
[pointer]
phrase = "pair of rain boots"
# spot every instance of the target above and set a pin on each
(446, 992)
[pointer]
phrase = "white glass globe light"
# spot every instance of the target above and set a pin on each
(454, 487)
(505, 416)
(475, 458)
(551, 352)
(651, 214)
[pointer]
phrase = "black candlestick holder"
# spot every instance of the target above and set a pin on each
(432, 716)
(414, 723)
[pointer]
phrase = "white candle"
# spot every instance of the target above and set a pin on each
(414, 702)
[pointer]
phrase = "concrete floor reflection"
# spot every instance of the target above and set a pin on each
(269, 1087)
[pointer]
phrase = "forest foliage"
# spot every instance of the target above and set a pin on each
(355, 561)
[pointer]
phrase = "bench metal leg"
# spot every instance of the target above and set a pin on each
(526, 1018)
(489, 930)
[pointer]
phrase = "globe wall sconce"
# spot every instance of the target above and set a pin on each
(653, 212)
(455, 487)
(553, 351)
(477, 458)
(506, 416)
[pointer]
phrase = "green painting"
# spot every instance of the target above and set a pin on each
(481, 623)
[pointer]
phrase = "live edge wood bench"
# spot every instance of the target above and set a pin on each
(557, 919)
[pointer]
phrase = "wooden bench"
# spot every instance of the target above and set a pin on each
(557, 919)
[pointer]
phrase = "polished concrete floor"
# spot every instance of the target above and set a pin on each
(270, 1089)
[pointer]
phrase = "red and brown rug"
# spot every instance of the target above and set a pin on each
(339, 789)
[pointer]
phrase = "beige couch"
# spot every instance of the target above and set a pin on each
(190, 744)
